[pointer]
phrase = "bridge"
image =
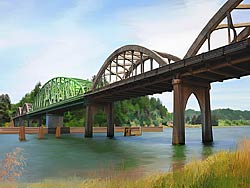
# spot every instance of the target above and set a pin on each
(133, 71)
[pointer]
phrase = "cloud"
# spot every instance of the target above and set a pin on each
(171, 29)
(67, 49)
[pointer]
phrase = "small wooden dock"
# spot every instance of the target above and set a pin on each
(72, 130)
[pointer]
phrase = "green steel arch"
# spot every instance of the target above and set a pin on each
(60, 89)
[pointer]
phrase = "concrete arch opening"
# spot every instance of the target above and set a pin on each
(193, 117)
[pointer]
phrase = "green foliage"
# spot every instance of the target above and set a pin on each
(232, 114)
(5, 109)
(28, 98)
(100, 118)
(141, 111)
(74, 118)
(233, 122)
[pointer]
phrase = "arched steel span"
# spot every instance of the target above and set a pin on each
(216, 23)
(130, 60)
(60, 89)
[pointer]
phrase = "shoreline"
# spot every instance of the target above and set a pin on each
(199, 126)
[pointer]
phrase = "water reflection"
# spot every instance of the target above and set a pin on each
(178, 157)
(207, 149)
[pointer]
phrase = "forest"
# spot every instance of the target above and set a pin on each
(141, 111)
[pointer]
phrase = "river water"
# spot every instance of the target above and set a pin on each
(73, 155)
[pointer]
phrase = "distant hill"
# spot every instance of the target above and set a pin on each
(224, 114)
(230, 114)
(220, 117)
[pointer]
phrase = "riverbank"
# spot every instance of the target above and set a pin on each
(214, 126)
(74, 130)
(224, 170)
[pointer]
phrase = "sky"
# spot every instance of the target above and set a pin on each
(40, 40)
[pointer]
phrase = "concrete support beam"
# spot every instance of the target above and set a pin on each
(178, 136)
(16, 122)
(89, 121)
(207, 133)
(40, 132)
(21, 122)
(109, 111)
(40, 121)
(54, 120)
(29, 122)
(58, 132)
(22, 133)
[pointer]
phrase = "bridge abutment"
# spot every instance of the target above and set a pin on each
(182, 92)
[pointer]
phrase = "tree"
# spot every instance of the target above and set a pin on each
(141, 111)
(5, 109)
(28, 98)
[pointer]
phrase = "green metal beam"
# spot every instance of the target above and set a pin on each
(60, 89)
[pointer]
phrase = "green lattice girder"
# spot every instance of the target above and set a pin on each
(60, 89)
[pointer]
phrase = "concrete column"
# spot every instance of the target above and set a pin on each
(54, 120)
(40, 121)
(207, 133)
(40, 132)
(178, 136)
(89, 121)
(109, 111)
(29, 122)
(16, 122)
(58, 132)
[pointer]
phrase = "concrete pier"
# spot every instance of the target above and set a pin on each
(40, 133)
(109, 111)
(182, 91)
(58, 132)
(22, 133)
(89, 121)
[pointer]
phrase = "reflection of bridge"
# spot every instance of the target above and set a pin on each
(133, 71)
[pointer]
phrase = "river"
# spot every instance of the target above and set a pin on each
(73, 155)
